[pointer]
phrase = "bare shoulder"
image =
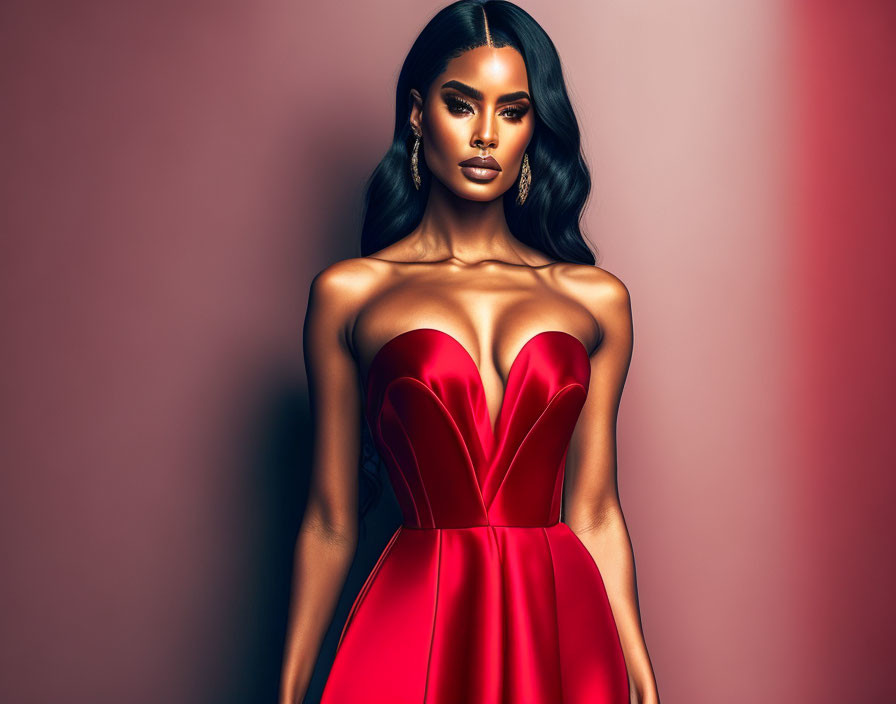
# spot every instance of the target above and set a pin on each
(597, 289)
(347, 278)
(600, 292)
(342, 288)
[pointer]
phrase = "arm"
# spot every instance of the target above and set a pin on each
(327, 538)
(591, 500)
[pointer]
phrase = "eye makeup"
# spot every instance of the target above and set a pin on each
(517, 110)
(458, 106)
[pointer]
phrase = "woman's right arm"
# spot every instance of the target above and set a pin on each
(327, 538)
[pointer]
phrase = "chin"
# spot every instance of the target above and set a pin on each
(483, 193)
(481, 197)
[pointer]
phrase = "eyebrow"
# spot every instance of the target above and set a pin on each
(477, 95)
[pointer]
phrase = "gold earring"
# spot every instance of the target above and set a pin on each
(415, 174)
(525, 180)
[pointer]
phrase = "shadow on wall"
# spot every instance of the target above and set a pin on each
(277, 483)
(278, 449)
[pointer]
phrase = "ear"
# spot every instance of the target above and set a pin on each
(416, 117)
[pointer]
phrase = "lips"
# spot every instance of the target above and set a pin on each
(478, 162)
(480, 169)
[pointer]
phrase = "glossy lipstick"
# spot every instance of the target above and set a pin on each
(480, 169)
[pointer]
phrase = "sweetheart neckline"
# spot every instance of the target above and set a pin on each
(493, 426)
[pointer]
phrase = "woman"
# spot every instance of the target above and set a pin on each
(487, 355)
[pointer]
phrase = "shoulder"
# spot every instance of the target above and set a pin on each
(601, 293)
(341, 289)
(347, 280)
(597, 289)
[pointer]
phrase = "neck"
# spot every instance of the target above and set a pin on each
(468, 230)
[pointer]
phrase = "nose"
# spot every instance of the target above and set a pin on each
(485, 136)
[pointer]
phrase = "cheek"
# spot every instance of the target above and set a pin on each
(447, 140)
(518, 140)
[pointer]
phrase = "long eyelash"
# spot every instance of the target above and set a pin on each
(519, 112)
(454, 101)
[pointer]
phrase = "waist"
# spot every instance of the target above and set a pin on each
(481, 526)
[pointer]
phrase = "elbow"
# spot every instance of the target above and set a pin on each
(337, 535)
(596, 518)
(335, 530)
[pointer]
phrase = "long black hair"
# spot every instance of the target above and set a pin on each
(561, 182)
(549, 218)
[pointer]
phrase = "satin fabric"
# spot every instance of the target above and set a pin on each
(482, 595)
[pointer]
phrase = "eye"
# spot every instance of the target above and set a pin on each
(457, 106)
(515, 112)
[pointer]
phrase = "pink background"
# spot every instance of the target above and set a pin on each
(175, 173)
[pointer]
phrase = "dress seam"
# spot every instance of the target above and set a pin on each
(562, 391)
(443, 409)
(435, 611)
(404, 432)
(556, 613)
(365, 587)
(504, 619)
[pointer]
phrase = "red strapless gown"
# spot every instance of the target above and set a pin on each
(481, 596)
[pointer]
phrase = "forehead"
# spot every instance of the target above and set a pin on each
(493, 71)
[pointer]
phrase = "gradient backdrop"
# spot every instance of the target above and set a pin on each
(174, 173)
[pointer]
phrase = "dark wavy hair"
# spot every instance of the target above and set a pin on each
(549, 219)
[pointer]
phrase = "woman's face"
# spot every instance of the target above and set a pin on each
(480, 106)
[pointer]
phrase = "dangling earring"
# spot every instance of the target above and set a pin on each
(415, 174)
(525, 180)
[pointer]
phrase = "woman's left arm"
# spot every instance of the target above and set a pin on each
(591, 503)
